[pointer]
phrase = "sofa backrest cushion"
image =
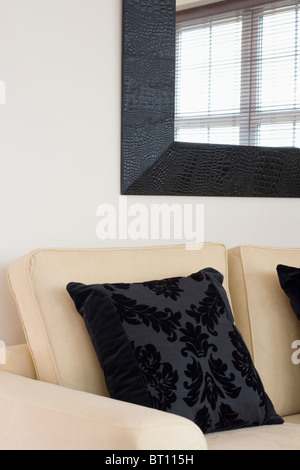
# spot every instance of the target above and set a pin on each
(266, 320)
(56, 335)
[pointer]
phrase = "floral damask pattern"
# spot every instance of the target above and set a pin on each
(167, 287)
(181, 342)
(243, 363)
(209, 310)
(214, 366)
(135, 314)
(159, 376)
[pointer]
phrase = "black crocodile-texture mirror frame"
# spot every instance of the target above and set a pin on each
(152, 162)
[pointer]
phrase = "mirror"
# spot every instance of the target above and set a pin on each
(152, 162)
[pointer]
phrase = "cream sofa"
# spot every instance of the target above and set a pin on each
(52, 390)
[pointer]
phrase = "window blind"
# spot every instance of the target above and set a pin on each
(238, 76)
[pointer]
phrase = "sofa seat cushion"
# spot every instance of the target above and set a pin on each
(171, 344)
(293, 419)
(284, 437)
(60, 346)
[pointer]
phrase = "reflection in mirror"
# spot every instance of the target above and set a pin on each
(237, 74)
(156, 159)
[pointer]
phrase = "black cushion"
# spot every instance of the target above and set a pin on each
(289, 278)
(172, 345)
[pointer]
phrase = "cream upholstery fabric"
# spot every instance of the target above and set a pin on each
(293, 419)
(60, 346)
(18, 361)
(269, 326)
(37, 415)
(285, 436)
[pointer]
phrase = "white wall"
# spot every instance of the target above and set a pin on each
(60, 141)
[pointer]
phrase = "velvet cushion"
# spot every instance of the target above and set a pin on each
(289, 278)
(171, 344)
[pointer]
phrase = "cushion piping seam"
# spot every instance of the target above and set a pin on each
(27, 271)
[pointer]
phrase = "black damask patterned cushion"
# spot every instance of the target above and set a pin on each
(172, 345)
(289, 278)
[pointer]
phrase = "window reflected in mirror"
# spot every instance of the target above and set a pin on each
(238, 75)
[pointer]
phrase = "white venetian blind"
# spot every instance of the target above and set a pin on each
(238, 77)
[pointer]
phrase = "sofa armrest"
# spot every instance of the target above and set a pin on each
(39, 416)
(18, 361)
